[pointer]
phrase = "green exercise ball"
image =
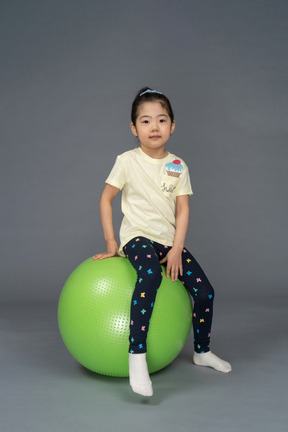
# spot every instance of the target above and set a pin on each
(94, 317)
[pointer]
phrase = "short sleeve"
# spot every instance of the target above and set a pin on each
(184, 184)
(117, 176)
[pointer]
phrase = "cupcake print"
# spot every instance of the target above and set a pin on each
(174, 168)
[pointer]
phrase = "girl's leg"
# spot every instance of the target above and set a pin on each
(198, 285)
(143, 258)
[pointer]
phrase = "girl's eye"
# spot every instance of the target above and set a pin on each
(145, 121)
(162, 120)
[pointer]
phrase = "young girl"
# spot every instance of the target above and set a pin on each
(155, 186)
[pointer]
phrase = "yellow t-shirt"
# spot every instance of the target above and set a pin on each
(149, 189)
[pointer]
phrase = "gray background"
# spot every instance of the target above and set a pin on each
(69, 73)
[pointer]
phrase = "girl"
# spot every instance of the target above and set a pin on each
(155, 186)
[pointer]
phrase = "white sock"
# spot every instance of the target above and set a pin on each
(210, 359)
(139, 376)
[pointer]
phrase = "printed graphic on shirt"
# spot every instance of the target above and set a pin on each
(167, 187)
(169, 180)
(174, 168)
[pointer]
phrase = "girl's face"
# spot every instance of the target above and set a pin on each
(153, 128)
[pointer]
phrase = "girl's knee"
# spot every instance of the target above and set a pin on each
(154, 276)
(149, 277)
(206, 293)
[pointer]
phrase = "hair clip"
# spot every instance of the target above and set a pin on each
(150, 91)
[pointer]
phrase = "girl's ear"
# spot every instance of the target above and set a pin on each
(172, 127)
(133, 129)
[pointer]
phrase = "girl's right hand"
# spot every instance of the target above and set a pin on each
(112, 250)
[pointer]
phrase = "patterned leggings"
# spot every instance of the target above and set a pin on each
(145, 256)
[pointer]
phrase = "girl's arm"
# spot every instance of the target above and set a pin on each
(106, 214)
(174, 256)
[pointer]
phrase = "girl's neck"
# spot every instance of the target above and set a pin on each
(155, 153)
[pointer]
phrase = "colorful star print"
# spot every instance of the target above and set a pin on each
(144, 294)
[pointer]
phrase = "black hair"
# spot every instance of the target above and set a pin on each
(150, 97)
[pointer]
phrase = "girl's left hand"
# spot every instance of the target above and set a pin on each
(174, 263)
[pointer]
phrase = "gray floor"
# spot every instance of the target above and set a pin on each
(44, 389)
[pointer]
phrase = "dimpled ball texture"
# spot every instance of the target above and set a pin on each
(94, 317)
